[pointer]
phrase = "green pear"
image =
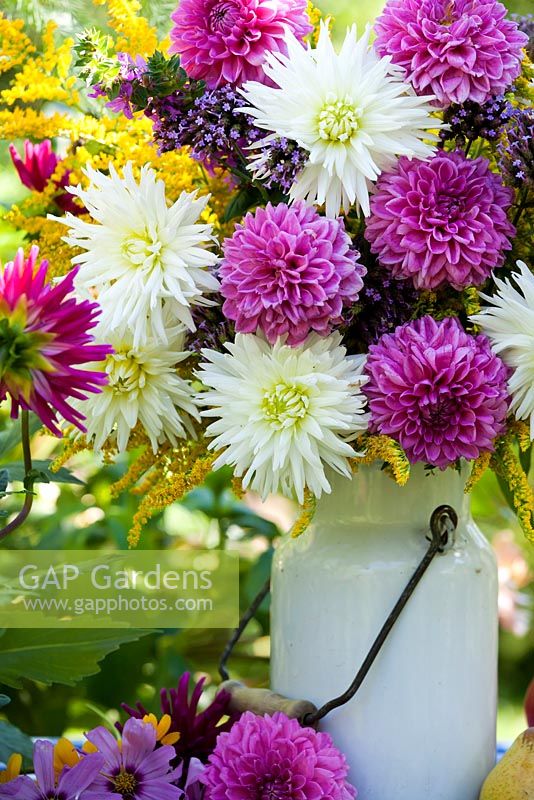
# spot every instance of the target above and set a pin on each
(513, 777)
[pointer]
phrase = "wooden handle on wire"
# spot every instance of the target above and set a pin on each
(263, 701)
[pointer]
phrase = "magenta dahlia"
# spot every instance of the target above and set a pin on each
(438, 391)
(44, 339)
(457, 50)
(274, 757)
(442, 221)
(289, 271)
(35, 169)
(225, 41)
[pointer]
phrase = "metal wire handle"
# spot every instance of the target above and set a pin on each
(443, 523)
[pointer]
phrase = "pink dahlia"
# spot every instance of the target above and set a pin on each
(457, 50)
(274, 757)
(225, 41)
(442, 221)
(288, 270)
(43, 340)
(36, 168)
(438, 391)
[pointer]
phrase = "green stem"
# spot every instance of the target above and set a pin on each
(522, 205)
(28, 482)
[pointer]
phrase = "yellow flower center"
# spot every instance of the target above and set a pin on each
(338, 120)
(285, 406)
(125, 783)
(143, 250)
(125, 372)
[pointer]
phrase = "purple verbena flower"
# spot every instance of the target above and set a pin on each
(441, 222)
(288, 271)
(441, 393)
(134, 769)
(516, 150)
(470, 121)
(71, 783)
(274, 757)
(457, 50)
(226, 41)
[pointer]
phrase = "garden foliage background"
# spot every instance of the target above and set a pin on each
(84, 515)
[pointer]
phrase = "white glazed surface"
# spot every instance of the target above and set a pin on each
(422, 726)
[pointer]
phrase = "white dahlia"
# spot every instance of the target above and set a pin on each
(284, 413)
(350, 110)
(508, 321)
(144, 388)
(141, 256)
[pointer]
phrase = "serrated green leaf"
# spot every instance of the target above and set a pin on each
(12, 740)
(63, 655)
(240, 203)
(42, 472)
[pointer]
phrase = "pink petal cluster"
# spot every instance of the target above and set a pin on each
(274, 757)
(289, 271)
(441, 393)
(457, 50)
(442, 221)
(225, 41)
(37, 167)
(44, 339)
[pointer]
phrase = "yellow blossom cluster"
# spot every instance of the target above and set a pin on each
(44, 77)
(15, 45)
(377, 447)
(135, 35)
(506, 463)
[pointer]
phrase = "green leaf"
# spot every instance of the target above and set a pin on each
(12, 740)
(42, 472)
(10, 438)
(241, 202)
(4, 480)
(63, 655)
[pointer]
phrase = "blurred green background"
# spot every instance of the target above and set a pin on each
(86, 516)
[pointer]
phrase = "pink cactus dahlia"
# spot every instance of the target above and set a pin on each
(43, 340)
(289, 271)
(438, 391)
(442, 221)
(274, 757)
(457, 50)
(36, 168)
(225, 41)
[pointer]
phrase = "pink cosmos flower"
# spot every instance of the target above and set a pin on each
(44, 339)
(274, 757)
(225, 41)
(289, 271)
(439, 392)
(457, 50)
(442, 221)
(36, 169)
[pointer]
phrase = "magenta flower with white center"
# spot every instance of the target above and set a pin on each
(438, 391)
(288, 271)
(274, 757)
(134, 769)
(226, 41)
(457, 50)
(70, 784)
(44, 343)
(441, 222)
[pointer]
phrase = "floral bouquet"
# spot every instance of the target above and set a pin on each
(251, 247)
(272, 253)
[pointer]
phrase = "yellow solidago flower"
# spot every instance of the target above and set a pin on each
(15, 46)
(136, 36)
(65, 755)
(162, 728)
(12, 769)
